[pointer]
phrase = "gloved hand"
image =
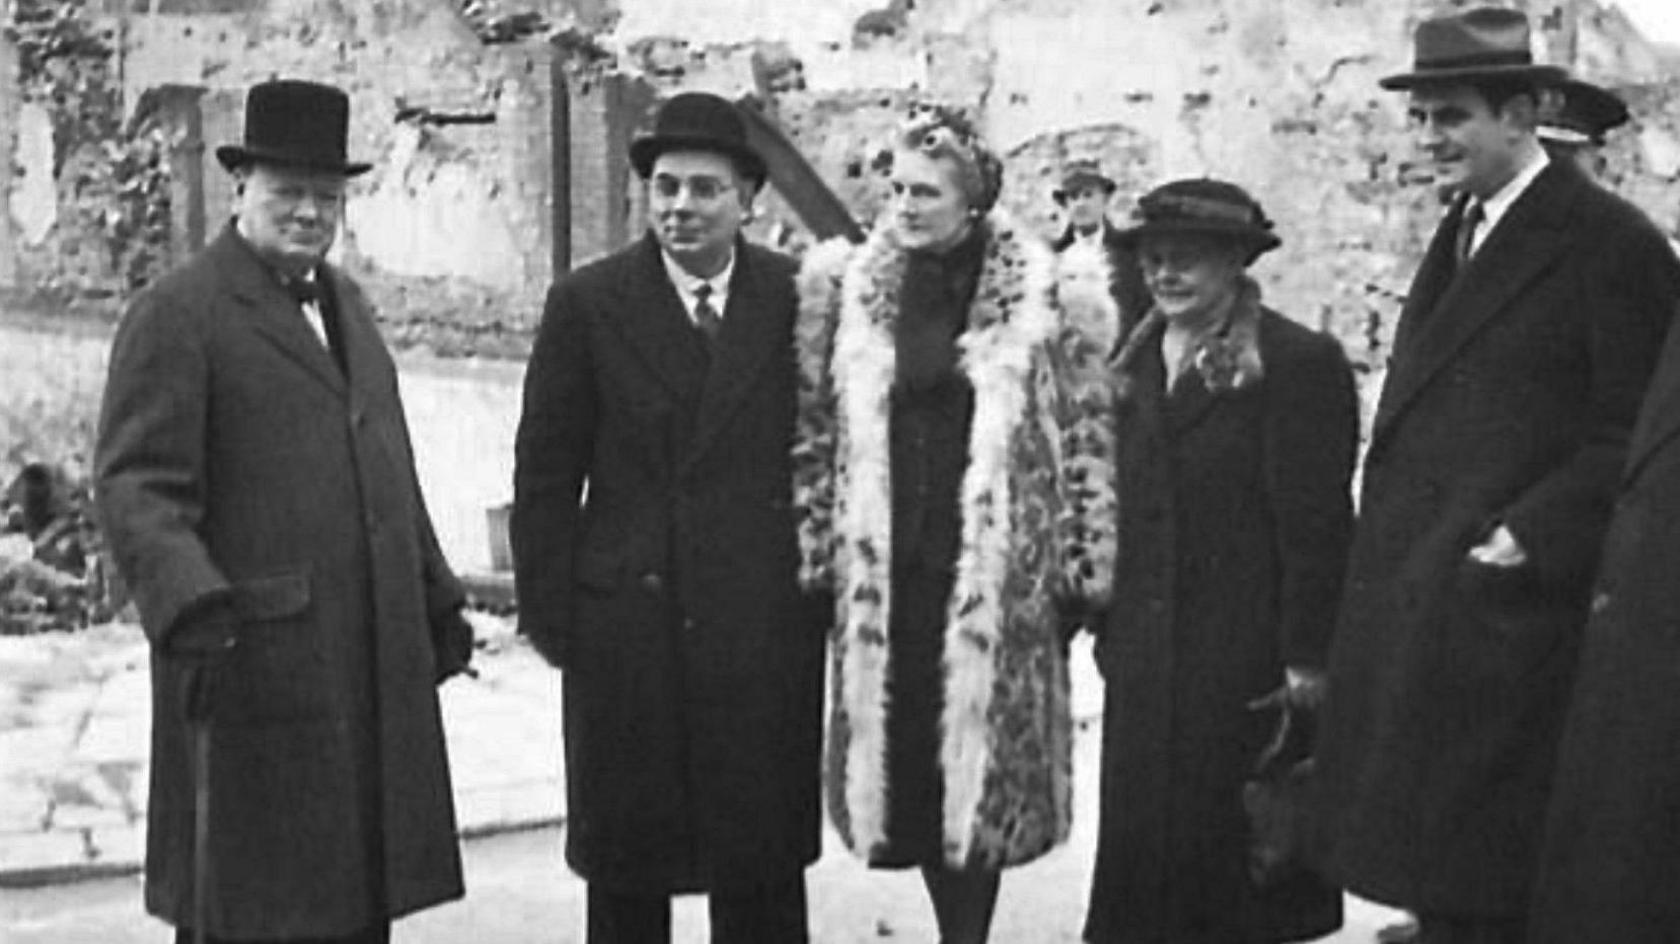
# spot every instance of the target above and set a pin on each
(452, 639)
(202, 639)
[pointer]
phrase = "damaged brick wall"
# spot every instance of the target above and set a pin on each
(1280, 97)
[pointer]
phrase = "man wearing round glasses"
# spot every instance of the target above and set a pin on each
(655, 547)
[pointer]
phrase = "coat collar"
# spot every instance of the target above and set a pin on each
(652, 320)
(1444, 311)
(1227, 359)
(272, 312)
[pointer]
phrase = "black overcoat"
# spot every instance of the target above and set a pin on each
(1234, 527)
(1613, 835)
(656, 559)
(1509, 401)
(235, 458)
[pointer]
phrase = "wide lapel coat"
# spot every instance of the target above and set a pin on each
(1509, 402)
(235, 458)
(654, 544)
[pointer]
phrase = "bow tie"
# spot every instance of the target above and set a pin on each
(303, 291)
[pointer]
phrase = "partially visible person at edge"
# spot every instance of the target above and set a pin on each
(1520, 358)
(1612, 840)
(1573, 122)
(1237, 436)
(656, 558)
(254, 477)
(954, 476)
(1084, 194)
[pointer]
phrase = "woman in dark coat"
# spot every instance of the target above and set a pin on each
(1236, 446)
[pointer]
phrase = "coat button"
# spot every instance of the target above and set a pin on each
(689, 624)
(1600, 602)
(652, 582)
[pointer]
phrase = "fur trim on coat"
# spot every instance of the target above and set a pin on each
(1037, 509)
(1227, 357)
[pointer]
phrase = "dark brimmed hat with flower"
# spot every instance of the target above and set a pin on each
(294, 123)
(1202, 207)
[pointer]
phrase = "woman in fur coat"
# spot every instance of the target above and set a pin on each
(1236, 445)
(954, 448)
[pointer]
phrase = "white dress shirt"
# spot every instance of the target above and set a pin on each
(1495, 207)
(686, 283)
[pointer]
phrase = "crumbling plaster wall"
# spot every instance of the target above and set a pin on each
(451, 231)
(1278, 96)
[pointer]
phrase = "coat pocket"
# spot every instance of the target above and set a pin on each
(274, 597)
(281, 671)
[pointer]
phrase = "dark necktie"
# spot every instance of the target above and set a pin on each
(706, 317)
(1467, 226)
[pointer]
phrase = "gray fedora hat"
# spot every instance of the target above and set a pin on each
(1479, 43)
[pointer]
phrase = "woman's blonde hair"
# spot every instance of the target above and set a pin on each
(940, 131)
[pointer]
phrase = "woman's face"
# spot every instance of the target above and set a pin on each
(1191, 276)
(928, 205)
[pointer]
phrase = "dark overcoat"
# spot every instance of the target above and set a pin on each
(1235, 517)
(1125, 276)
(1510, 398)
(235, 458)
(1612, 845)
(656, 557)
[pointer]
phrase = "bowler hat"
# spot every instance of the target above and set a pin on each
(1080, 174)
(1479, 43)
(295, 123)
(698, 121)
(1205, 207)
(1581, 114)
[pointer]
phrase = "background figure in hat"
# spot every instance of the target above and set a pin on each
(1237, 436)
(1575, 119)
(662, 386)
(940, 363)
(1084, 194)
(255, 480)
(1526, 342)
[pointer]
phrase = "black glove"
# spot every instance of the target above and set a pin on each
(452, 641)
(201, 639)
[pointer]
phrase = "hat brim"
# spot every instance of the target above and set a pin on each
(645, 150)
(232, 157)
(1081, 181)
(1256, 241)
(1410, 80)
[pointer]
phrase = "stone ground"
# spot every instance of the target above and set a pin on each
(73, 741)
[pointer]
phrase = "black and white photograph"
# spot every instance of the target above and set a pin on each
(846, 472)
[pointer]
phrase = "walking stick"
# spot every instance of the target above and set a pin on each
(198, 726)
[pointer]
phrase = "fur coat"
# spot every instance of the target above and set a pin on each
(1038, 511)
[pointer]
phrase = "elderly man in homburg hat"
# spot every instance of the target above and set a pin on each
(1525, 344)
(256, 483)
(656, 554)
(1084, 193)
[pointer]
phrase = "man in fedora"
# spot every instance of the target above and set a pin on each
(1084, 193)
(1574, 121)
(655, 554)
(256, 484)
(1525, 344)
